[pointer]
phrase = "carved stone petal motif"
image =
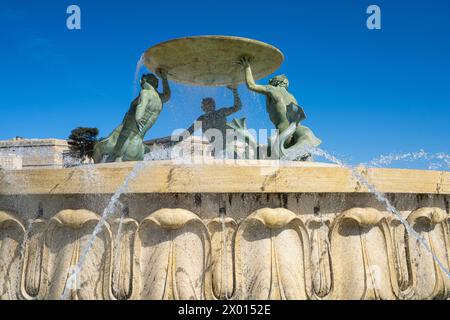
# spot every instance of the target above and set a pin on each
(12, 233)
(447, 244)
(222, 232)
(361, 252)
(400, 257)
(175, 253)
(272, 256)
(68, 234)
(322, 277)
(428, 279)
(125, 282)
(32, 271)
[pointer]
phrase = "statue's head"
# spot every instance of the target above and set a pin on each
(279, 81)
(208, 104)
(150, 79)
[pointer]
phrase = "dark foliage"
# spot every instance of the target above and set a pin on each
(82, 141)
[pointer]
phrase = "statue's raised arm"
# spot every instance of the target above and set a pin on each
(237, 105)
(249, 80)
(284, 112)
(165, 95)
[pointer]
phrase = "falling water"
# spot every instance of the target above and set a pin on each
(159, 152)
(435, 161)
(71, 161)
(378, 195)
(123, 215)
(139, 66)
(107, 212)
(255, 100)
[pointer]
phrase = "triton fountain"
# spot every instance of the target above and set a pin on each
(274, 225)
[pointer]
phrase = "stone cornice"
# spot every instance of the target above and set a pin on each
(220, 177)
(32, 143)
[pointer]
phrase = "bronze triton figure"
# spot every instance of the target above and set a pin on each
(284, 112)
(126, 142)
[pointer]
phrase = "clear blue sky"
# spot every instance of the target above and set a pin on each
(365, 92)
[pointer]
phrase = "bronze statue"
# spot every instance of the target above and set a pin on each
(209, 64)
(216, 119)
(284, 112)
(126, 142)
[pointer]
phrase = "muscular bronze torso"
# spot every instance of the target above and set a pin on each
(144, 111)
(126, 142)
(278, 99)
(283, 110)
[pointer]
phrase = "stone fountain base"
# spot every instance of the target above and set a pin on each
(224, 231)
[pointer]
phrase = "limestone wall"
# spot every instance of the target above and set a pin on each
(36, 153)
(10, 162)
(180, 241)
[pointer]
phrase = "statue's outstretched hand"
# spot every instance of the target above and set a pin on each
(245, 61)
(161, 72)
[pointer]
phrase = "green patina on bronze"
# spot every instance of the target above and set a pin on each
(210, 61)
(126, 142)
(284, 112)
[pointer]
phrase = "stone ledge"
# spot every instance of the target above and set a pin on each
(21, 143)
(220, 177)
